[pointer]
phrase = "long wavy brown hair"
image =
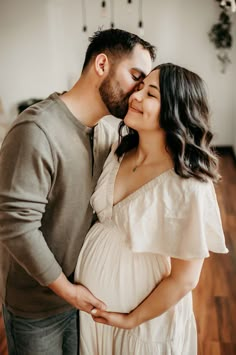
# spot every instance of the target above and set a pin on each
(184, 116)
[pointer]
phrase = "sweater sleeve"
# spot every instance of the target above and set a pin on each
(26, 171)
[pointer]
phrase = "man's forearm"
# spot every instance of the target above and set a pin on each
(64, 289)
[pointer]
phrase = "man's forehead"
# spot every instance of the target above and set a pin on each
(142, 65)
(140, 60)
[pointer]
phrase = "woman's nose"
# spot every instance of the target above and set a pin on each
(138, 95)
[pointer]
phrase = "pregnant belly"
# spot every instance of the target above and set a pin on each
(113, 273)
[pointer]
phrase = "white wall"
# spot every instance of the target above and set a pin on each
(24, 61)
(42, 48)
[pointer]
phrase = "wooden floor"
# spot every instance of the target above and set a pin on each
(215, 295)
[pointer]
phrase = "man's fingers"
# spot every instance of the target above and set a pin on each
(98, 313)
(95, 302)
(90, 301)
(99, 305)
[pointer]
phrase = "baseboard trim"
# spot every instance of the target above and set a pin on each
(226, 150)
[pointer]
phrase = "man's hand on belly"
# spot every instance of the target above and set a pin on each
(77, 295)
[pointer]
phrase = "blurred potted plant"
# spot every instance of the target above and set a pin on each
(220, 36)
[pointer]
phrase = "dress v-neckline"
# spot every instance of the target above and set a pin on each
(133, 194)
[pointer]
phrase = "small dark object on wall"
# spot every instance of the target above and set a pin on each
(24, 104)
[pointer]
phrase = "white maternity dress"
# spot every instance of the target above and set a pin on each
(127, 253)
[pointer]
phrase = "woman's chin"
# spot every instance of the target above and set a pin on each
(129, 120)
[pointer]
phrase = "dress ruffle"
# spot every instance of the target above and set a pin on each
(172, 216)
(175, 217)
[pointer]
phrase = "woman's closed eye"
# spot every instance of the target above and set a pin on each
(152, 95)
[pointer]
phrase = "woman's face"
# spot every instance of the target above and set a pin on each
(145, 104)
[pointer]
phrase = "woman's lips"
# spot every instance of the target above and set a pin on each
(131, 108)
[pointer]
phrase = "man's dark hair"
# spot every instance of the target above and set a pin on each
(115, 43)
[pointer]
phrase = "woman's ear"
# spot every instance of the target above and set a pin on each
(101, 64)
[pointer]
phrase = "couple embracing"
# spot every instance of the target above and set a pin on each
(150, 187)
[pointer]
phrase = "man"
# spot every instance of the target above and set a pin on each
(50, 162)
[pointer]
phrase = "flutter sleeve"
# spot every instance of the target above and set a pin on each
(178, 218)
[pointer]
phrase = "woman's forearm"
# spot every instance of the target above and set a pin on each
(162, 298)
(183, 278)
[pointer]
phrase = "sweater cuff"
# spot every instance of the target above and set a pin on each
(49, 275)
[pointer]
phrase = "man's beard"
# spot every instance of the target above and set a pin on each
(114, 97)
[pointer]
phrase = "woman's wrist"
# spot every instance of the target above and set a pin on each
(134, 319)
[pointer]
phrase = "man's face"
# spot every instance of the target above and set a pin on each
(123, 78)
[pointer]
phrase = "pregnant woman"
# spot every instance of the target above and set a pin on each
(158, 218)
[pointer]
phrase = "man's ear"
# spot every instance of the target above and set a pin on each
(101, 64)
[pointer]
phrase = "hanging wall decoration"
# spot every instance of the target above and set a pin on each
(105, 13)
(140, 23)
(112, 14)
(220, 33)
(129, 7)
(104, 9)
(84, 18)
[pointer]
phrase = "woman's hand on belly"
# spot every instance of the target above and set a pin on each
(119, 320)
